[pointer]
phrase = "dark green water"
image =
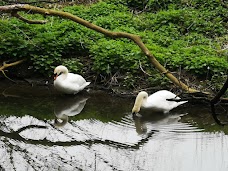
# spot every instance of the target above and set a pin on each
(42, 129)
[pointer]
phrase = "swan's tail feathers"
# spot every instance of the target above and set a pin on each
(182, 102)
(87, 83)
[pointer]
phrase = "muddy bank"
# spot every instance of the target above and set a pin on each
(48, 83)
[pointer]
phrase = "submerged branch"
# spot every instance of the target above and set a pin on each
(135, 38)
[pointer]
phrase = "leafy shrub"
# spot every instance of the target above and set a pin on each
(178, 34)
(110, 56)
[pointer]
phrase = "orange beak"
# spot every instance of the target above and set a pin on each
(55, 76)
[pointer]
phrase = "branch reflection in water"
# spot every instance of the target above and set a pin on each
(103, 135)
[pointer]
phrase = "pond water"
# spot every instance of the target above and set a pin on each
(41, 129)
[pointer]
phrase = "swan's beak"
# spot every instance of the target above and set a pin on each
(55, 76)
(135, 110)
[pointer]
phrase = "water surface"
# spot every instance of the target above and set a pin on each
(41, 129)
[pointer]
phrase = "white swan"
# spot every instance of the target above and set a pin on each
(68, 83)
(156, 102)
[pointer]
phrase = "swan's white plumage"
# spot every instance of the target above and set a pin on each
(68, 83)
(66, 107)
(157, 101)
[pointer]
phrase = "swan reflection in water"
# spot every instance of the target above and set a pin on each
(68, 106)
(155, 120)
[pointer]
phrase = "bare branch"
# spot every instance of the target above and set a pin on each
(34, 2)
(216, 99)
(140, 65)
(15, 14)
(5, 65)
(220, 93)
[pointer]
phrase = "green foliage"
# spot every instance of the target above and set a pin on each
(180, 22)
(216, 82)
(110, 56)
(74, 65)
(186, 34)
(158, 79)
(12, 43)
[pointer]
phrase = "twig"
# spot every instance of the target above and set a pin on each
(40, 1)
(140, 65)
(216, 99)
(7, 76)
(5, 65)
(15, 14)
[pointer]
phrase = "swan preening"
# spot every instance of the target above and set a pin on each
(68, 83)
(156, 102)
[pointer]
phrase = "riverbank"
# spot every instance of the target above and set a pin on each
(187, 39)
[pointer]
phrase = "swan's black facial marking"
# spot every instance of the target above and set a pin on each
(56, 75)
(59, 74)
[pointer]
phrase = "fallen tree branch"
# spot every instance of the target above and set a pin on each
(135, 38)
(5, 65)
(34, 2)
(217, 99)
(15, 14)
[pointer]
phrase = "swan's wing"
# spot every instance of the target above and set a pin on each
(161, 96)
(75, 79)
(159, 100)
(165, 94)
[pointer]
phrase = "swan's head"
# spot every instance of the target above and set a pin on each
(60, 70)
(140, 99)
(60, 122)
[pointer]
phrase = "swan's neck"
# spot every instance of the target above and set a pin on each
(140, 101)
(64, 75)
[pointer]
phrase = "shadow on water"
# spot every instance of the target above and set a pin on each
(42, 129)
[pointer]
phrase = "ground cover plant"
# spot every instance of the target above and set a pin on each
(188, 37)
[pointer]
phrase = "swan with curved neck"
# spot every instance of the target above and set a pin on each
(68, 83)
(156, 102)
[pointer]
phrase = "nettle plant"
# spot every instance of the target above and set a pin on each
(177, 34)
(110, 56)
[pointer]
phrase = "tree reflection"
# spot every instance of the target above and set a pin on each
(39, 144)
(100, 135)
